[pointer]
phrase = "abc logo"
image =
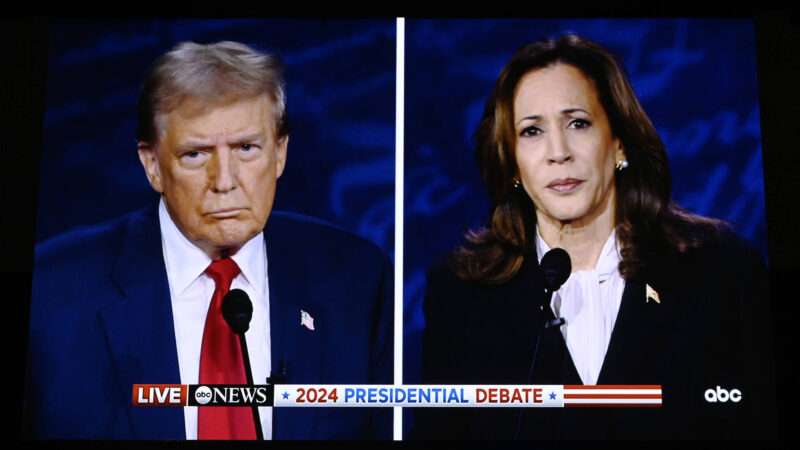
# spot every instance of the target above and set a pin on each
(203, 395)
(720, 395)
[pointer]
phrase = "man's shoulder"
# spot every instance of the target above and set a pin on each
(73, 271)
(317, 260)
(87, 241)
(308, 235)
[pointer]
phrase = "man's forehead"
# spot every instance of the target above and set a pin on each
(193, 107)
(201, 117)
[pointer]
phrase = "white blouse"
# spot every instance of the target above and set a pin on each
(589, 302)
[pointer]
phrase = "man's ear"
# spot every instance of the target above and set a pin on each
(149, 160)
(280, 154)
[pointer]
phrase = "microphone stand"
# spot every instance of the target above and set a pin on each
(548, 321)
(562, 269)
(249, 374)
(237, 310)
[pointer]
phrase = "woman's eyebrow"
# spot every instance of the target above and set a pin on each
(564, 112)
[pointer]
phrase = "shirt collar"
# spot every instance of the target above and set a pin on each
(186, 262)
(607, 263)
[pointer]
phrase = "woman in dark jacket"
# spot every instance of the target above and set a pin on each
(654, 295)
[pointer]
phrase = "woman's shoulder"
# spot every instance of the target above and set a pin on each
(722, 265)
(447, 290)
(723, 248)
(442, 277)
(448, 287)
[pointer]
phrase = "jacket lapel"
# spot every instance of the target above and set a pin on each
(636, 351)
(139, 326)
(295, 350)
(553, 364)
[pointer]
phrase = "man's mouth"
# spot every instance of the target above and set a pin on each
(225, 213)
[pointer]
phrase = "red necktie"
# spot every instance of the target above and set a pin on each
(221, 362)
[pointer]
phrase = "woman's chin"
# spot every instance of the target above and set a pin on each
(566, 216)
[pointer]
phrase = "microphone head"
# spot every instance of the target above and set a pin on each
(237, 309)
(556, 267)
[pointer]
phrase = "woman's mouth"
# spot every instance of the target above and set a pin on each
(565, 185)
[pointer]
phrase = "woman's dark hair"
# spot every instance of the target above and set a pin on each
(648, 223)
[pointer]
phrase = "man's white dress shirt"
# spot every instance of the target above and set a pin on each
(589, 302)
(190, 293)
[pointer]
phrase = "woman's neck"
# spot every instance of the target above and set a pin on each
(582, 238)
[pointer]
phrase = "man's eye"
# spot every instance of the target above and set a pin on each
(193, 158)
(530, 131)
(248, 147)
(579, 124)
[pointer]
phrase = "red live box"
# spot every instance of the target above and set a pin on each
(149, 395)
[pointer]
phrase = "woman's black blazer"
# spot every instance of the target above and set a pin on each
(711, 328)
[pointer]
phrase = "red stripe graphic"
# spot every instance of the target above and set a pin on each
(566, 396)
(611, 386)
(612, 405)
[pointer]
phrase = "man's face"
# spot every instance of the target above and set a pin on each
(217, 166)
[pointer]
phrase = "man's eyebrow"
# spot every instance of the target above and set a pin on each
(198, 142)
(246, 137)
(194, 143)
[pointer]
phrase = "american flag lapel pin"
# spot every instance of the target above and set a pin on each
(651, 294)
(306, 320)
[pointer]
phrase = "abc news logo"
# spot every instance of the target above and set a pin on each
(720, 395)
(149, 395)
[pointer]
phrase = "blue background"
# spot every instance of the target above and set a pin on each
(340, 96)
(695, 78)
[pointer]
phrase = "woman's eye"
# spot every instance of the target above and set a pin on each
(579, 123)
(530, 131)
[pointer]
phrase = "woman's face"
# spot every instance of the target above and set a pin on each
(565, 150)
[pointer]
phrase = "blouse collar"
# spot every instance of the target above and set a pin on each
(607, 263)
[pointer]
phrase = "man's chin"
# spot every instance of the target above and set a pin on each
(236, 242)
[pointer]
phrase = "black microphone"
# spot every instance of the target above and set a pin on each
(556, 267)
(237, 310)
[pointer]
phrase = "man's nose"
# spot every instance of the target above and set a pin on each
(558, 150)
(223, 171)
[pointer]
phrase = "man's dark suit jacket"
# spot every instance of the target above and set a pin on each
(711, 328)
(101, 320)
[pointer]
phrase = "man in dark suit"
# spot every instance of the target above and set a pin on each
(138, 299)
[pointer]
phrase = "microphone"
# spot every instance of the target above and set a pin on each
(237, 310)
(556, 267)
